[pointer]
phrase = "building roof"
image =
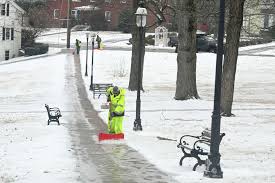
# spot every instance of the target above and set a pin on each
(16, 6)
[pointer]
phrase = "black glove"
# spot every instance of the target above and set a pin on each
(113, 114)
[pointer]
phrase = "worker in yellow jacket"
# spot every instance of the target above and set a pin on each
(116, 98)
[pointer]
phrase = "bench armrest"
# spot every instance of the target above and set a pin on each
(183, 141)
(198, 144)
(192, 136)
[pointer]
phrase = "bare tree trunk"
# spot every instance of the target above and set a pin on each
(231, 55)
(133, 81)
(186, 86)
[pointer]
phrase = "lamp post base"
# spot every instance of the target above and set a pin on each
(137, 125)
(91, 87)
(86, 74)
(213, 170)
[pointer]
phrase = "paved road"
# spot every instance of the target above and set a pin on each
(120, 48)
(57, 79)
(250, 52)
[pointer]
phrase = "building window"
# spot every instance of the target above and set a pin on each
(75, 13)
(3, 9)
(12, 33)
(108, 16)
(7, 55)
(108, 1)
(8, 9)
(3, 33)
(266, 21)
(7, 33)
(56, 13)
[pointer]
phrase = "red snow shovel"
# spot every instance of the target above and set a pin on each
(110, 136)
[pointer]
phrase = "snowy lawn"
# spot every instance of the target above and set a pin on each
(36, 151)
(108, 38)
(30, 150)
(247, 149)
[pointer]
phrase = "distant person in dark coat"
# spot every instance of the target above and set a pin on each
(98, 40)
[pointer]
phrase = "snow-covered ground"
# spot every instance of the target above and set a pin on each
(23, 58)
(247, 149)
(31, 151)
(60, 38)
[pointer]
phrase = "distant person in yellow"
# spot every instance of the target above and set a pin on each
(116, 98)
(99, 42)
(77, 45)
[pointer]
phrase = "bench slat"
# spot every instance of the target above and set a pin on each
(100, 88)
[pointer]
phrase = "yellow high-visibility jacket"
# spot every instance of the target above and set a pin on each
(117, 102)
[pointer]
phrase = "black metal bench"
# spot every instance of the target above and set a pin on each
(199, 146)
(53, 113)
(100, 88)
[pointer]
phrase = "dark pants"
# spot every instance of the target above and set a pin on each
(77, 50)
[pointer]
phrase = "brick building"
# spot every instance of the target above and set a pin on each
(110, 9)
(58, 8)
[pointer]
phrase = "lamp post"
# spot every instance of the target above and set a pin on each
(92, 66)
(87, 37)
(141, 15)
(213, 168)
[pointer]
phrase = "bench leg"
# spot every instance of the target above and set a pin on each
(57, 120)
(184, 156)
(199, 163)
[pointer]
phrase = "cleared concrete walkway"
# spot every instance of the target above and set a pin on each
(104, 162)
